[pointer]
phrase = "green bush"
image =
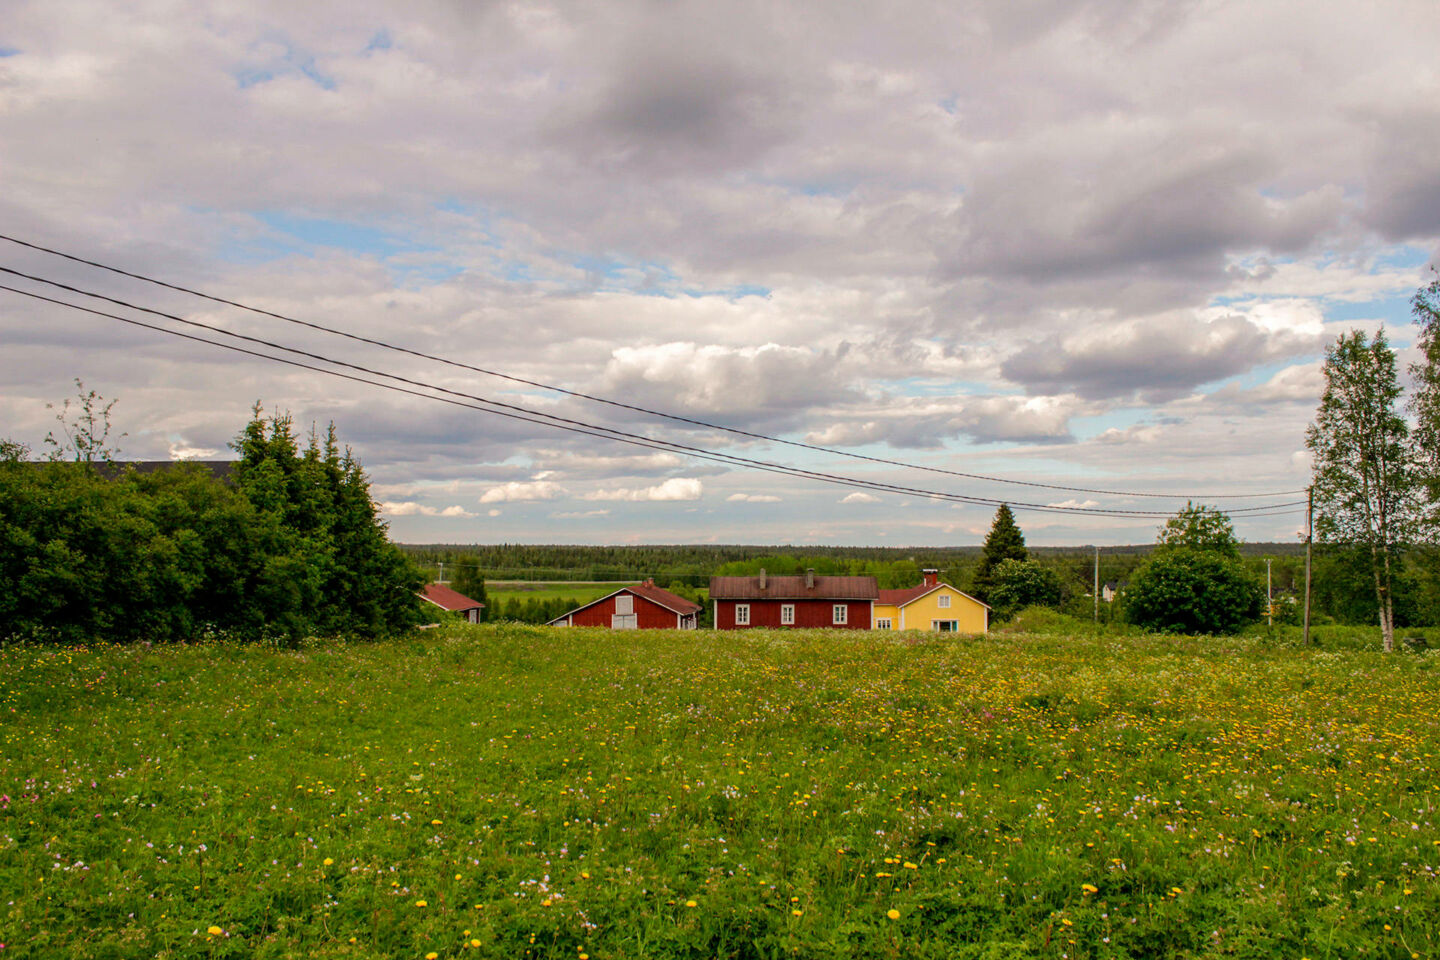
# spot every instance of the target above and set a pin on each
(1022, 583)
(1187, 590)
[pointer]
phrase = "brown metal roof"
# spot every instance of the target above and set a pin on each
(793, 588)
(899, 598)
(665, 598)
(443, 596)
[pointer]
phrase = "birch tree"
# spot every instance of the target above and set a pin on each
(1425, 401)
(1365, 480)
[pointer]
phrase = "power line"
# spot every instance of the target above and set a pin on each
(516, 412)
(627, 406)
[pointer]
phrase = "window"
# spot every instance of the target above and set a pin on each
(742, 614)
(623, 621)
(945, 626)
(787, 614)
(943, 602)
(625, 604)
(840, 612)
(883, 624)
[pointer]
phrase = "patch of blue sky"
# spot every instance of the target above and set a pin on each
(1087, 428)
(9, 51)
(737, 292)
(380, 41)
(338, 234)
(293, 60)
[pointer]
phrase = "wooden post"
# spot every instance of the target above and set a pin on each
(1309, 536)
(1097, 584)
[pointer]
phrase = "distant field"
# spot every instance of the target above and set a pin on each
(583, 591)
(519, 792)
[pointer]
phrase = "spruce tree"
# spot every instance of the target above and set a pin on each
(1003, 542)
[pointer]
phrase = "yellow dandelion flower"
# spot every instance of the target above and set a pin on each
(421, 903)
(1089, 888)
(691, 903)
(893, 914)
(214, 931)
(432, 955)
(436, 823)
(327, 861)
(797, 913)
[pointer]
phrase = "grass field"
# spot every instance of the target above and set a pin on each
(525, 792)
(583, 591)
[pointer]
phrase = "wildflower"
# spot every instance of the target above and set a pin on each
(797, 913)
(421, 903)
(327, 861)
(893, 914)
(432, 955)
(474, 943)
(214, 931)
(1089, 888)
(436, 823)
(691, 903)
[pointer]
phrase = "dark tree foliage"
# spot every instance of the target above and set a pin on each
(469, 580)
(291, 549)
(1425, 400)
(1003, 542)
(1020, 584)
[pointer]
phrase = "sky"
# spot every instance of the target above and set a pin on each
(1094, 245)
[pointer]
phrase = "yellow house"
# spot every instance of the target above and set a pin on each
(931, 606)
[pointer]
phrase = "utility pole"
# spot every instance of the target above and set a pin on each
(1269, 597)
(442, 572)
(1097, 583)
(1309, 536)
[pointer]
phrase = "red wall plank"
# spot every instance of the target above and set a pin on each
(650, 615)
(808, 614)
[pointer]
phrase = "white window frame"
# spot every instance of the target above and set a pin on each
(953, 628)
(624, 621)
(787, 614)
(839, 614)
(625, 604)
(742, 614)
(943, 601)
(884, 623)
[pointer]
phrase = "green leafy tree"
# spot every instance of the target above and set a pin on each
(1365, 481)
(1023, 583)
(84, 430)
(1200, 528)
(1186, 590)
(1003, 542)
(1425, 401)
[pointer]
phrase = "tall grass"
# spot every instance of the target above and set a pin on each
(524, 792)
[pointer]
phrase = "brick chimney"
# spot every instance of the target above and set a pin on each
(762, 578)
(932, 576)
(810, 578)
(649, 582)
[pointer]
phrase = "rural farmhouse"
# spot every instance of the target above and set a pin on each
(931, 606)
(643, 606)
(801, 601)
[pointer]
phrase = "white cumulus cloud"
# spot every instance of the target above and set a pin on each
(676, 488)
(859, 497)
(520, 491)
(751, 498)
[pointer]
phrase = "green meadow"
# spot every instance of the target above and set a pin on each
(581, 591)
(522, 792)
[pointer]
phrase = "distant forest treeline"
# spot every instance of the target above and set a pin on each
(1342, 589)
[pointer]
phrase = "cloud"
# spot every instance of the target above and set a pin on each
(859, 497)
(752, 498)
(580, 514)
(412, 509)
(676, 488)
(1073, 503)
(929, 423)
(523, 491)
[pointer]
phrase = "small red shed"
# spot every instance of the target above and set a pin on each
(445, 598)
(844, 603)
(643, 606)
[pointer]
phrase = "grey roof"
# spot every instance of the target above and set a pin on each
(793, 588)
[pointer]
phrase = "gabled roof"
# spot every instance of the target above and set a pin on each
(647, 590)
(793, 588)
(899, 598)
(443, 596)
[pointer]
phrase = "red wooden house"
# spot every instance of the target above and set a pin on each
(845, 603)
(447, 599)
(641, 607)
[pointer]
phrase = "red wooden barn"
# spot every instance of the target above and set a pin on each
(447, 599)
(845, 603)
(641, 607)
